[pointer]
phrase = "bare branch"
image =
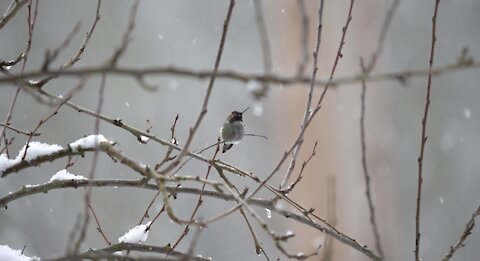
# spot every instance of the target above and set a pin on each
(308, 110)
(382, 36)
(331, 215)
(468, 230)
(107, 253)
(366, 175)
(423, 140)
(300, 176)
(80, 51)
(88, 190)
(203, 110)
(28, 190)
(8, 126)
(266, 50)
(126, 37)
(31, 20)
(50, 56)
(399, 76)
(99, 227)
(15, 5)
(199, 200)
(304, 39)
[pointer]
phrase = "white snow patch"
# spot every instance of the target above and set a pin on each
(173, 84)
(160, 37)
(269, 213)
(253, 86)
(136, 234)
(65, 175)
(467, 113)
(6, 253)
(35, 150)
(88, 142)
(280, 205)
(441, 200)
(447, 141)
(4, 162)
(144, 138)
(318, 241)
(258, 109)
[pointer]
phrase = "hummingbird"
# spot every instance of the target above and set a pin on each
(233, 130)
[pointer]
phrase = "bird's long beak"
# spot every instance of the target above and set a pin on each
(245, 110)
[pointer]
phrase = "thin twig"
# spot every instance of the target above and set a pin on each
(277, 239)
(331, 214)
(265, 43)
(8, 126)
(304, 39)
(126, 37)
(366, 175)
(339, 53)
(468, 230)
(50, 56)
(424, 136)
(99, 227)
(382, 36)
(173, 140)
(300, 176)
(88, 192)
(203, 110)
(80, 51)
(14, 7)
(31, 21)
(308, 110)
(366, 71)
(79, 85)
(200, 199)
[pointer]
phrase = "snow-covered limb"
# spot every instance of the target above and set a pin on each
(7, 253)
(87, 142)
(137, 234)
(35, 150)
(113, 253)
(65, 175)
(39, 152)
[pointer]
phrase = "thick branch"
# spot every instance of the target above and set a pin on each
(400, 76)
(107, 253)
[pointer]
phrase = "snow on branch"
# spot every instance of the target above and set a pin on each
(7, 253)
(137, 234)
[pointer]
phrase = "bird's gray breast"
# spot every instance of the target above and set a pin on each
(233, 132)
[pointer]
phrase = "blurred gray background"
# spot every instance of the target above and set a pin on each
(186, 34)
